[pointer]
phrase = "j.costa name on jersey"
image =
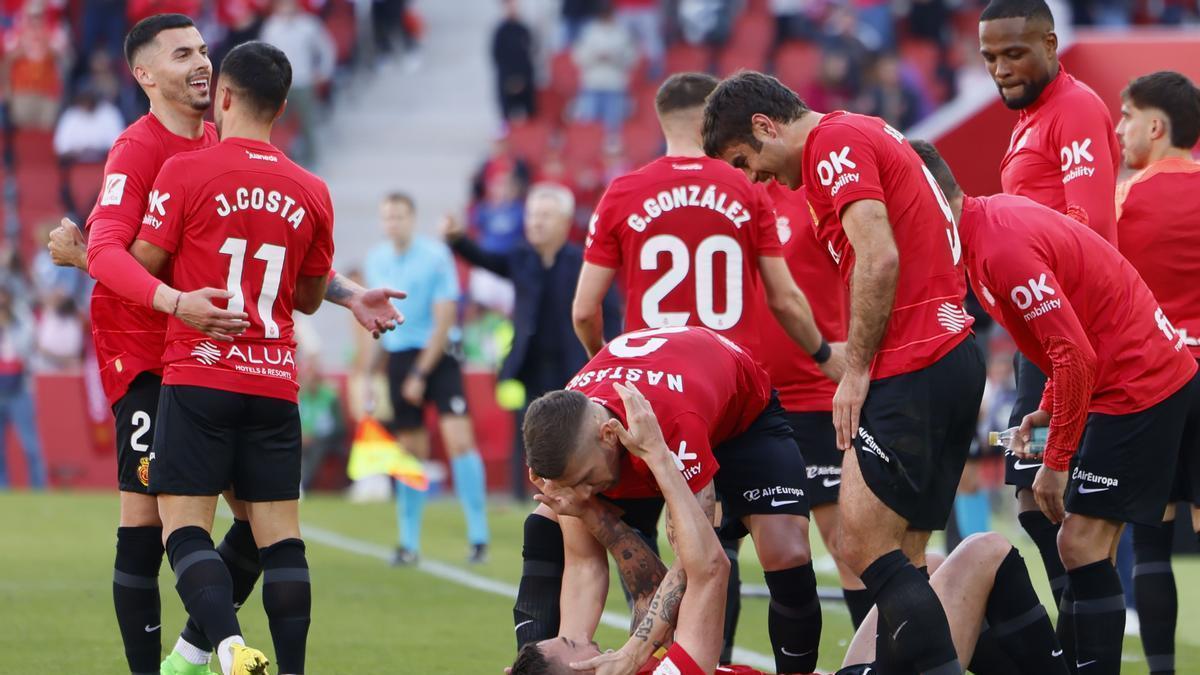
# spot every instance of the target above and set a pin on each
(687, 196)
(258, 199)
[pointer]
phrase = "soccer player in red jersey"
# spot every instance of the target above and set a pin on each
(804, 391)
(169, 60)
(1063, 154)
(727, 433)
(1158, 232)
(909, 346)
(240, 215)
(1121, 388)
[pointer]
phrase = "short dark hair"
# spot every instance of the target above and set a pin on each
(938, 167)
(684, 91)
(402, 198)
(262, 73)
(551, 428)
(1017, 9)
(731, 105)
(1175, 95)
(531, 661)
(145, 31)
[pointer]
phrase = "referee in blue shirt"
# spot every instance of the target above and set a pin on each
(420, 370)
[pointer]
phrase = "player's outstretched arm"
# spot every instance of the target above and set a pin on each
(872, 294)
(371, 307)
(587, 312)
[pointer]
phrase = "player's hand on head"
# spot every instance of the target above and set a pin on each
(561, 499)
(835, 366)
(847, 405)
(1049, 486)
(644, 437)
(67, 246)
(620, 662)
(198, 309)
(1037, 418)
(374, 311)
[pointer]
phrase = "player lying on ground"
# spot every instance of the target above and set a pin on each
(1121, 388)
(700, 607)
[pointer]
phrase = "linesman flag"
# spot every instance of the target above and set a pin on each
(375, 452)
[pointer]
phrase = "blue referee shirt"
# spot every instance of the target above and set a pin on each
(426, 272)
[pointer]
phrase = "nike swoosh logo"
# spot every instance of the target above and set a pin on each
(787, 653)
(776, 502)
(831, 482)
(1087, 490)
(1084, 664)
(897, 633)
(151, 629)
(1021, 465)
(1056, 652)
(523, 623)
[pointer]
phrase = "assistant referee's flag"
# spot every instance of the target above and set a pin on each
(375, 452)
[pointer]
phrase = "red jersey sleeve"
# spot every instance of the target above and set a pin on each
(687, 437)
(318, 261)
(845, 166)
(766, 227)
(602, 246)
(166, 208)
(1088, 173)
(1056, 327)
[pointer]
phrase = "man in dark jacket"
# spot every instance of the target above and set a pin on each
(512, 54)
(544, 269)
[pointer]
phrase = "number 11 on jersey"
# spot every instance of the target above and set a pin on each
(273, 256)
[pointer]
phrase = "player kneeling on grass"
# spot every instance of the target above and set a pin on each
(701, 606)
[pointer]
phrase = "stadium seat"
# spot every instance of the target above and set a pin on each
(530, 139)
(753, 31)
(83, 184)
(583, 142)
(924, 57)
(564, 76)
(642, 102)
(642, 141)
(797, 64)
(738, 56)
(37, 179)
(685, 58)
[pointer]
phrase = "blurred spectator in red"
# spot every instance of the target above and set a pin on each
(310, 49)
(137, 10)
(576, 15)
(605, 55)
(890, 96)
(498, 221)
(87, 129)
(705, 22)
(512, 55)
(36, 49)
(644, 20)
(16, 399)
(501, 161)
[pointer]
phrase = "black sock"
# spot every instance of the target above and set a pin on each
(794, 618)
(203, 583)
(135, 596)
(535, 614)
(911, 613)
(1099, 617)
(733, 601)
(858, 602)
(241, 557)
(1064, 630)
(989, 657)
(1154, 589)
(1045, 535)
(287, 600)
(1018, 622)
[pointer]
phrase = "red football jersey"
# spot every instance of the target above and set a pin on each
(686, 234)
(129, 337)
(801, 385)
(1158, 231)
(1048, 279)
(675, 664)
(1064, 152)
(704, 389)
(848, 158)
(243, 217)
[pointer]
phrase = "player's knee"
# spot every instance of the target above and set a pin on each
(985, 546)
(237, 506)
(782, 555)
(139, 510)
(1077, 546)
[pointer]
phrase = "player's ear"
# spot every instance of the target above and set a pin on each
(763, 127)
(1050, 42)
(142, 76)
(226, 98)
(1158, 127)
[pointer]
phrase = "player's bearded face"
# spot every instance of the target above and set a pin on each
(770, 162)
(182, 69)
(1134, 131)
(1018, 57)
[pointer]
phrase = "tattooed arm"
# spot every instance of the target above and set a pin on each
(639, 567)
(372, 307)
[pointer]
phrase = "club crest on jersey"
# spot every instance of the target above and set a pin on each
(784, 228)
(143, 471)
(114, 189)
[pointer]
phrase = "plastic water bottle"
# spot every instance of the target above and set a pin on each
(1035, 446)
